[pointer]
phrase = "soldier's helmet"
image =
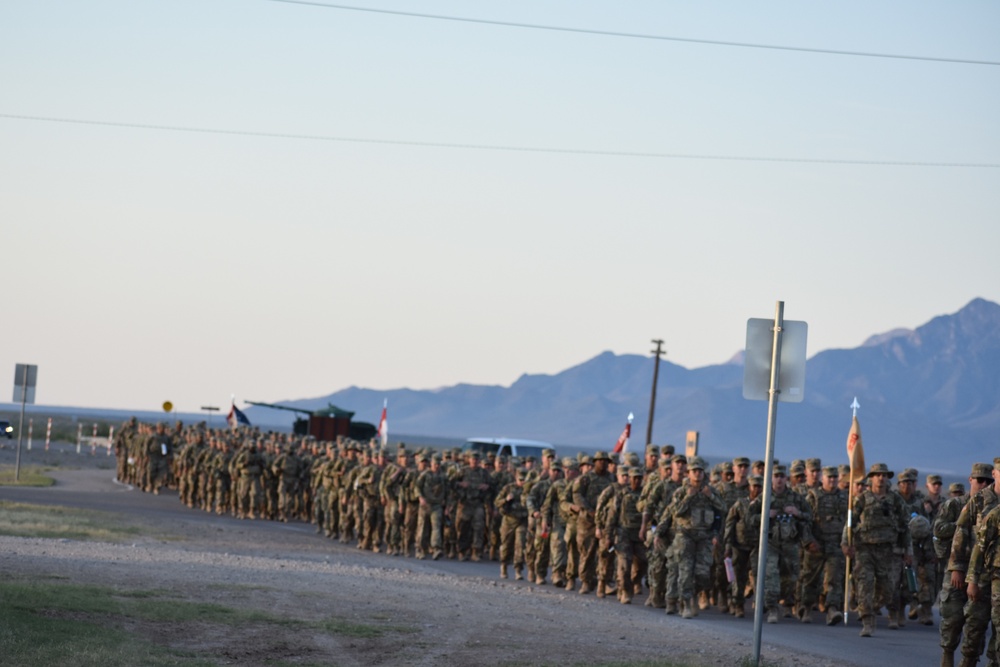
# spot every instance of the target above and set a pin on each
(920, 527)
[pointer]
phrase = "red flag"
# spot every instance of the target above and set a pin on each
(622, 445)
(383, 425)
(855, 451)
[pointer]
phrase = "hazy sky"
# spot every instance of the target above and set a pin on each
(143, 265)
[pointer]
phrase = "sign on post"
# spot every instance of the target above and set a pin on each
(757, 367)
(25, 377)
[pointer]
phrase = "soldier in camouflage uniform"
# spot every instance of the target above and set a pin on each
(623, 519)
(391, 493)
(159, 452)
(880, 535)
(586, 490)
(605, 539)
(247, 464)
(500, 476)
(953, 597)
(984, 568)
(285, 469)
(510, 503)
(663, 564)
(906, 487)
(789, 530)
(823, 572)
(741, 535)
(977, 612)
(431, 487)
(535, 499)
(696, 517)
(473, 490)
(366, 488)
(555, 519)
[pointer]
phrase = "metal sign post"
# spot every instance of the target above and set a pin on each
(25, 377)
(785, 378)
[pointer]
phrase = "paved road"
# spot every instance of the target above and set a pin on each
(915, 645)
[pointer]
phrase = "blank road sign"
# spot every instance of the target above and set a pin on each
(792, 371)
(25, 376)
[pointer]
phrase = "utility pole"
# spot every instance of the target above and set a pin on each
(659, 351)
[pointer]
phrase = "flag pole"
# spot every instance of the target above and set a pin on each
(850, 520)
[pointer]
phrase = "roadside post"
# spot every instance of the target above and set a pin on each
(775, 370)
(25, 377)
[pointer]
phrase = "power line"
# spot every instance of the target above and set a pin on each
(633, 35)
(493, 147)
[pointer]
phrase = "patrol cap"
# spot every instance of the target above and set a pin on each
(996, 462)
(623, 471)
(741, 461)
(586, 460)
(678, 458)
(520, 474)
(667, 450)
(567, 461)
(844, 469)
(798, 469)
(755, 480)
(664, 461)
(981, 471)
(530, 459)
(636, 471)
(798, 462)
(956, 489)
(652, 450)
(934, 479)
(758, 464)
(695, 463)
(880, 469)
(779, 470)
(572, 465)
(831, 471)
(555, 466)
(548, 453)
(632, 459)
(813, 464)
(601, 456)
(908, 475)
(474, 455)
(726, 466)
(422, 458)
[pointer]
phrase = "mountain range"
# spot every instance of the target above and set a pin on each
(930, 398)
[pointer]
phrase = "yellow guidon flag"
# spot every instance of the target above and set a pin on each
(855, 450)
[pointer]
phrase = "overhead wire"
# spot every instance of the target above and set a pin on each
(633, 35)
(496, 147)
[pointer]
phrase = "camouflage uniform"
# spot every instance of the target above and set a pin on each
(586, 490)
(977, 613)
(623, 521)
(473, 490)
(880, 535)
(431, 487)
(823, 572)
(510, 503)
(696, 515)
(741, 535)
(951, 599)
(984, 568)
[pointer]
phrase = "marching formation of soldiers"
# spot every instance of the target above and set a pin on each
(586, 523)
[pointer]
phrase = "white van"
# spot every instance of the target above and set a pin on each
(507, 447)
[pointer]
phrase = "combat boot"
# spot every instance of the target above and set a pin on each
(867, 626)
(772, 615)
(894, 618)
(540, 580)
(475, 556)
(585, 587)
(503, 570)
(968, 661)
(914, 611)
(739, 611)
(925, 615)
(703, 601)
(805, 615)
(601, 589)
(624, 596)
(687, 608)
(947, 659)
(519, 573)
(569, 584)
(833, 616)
(671, 607)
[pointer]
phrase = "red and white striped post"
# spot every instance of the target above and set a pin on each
(93, 441)
(48, 434)
(31, 424)
(111, 438)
